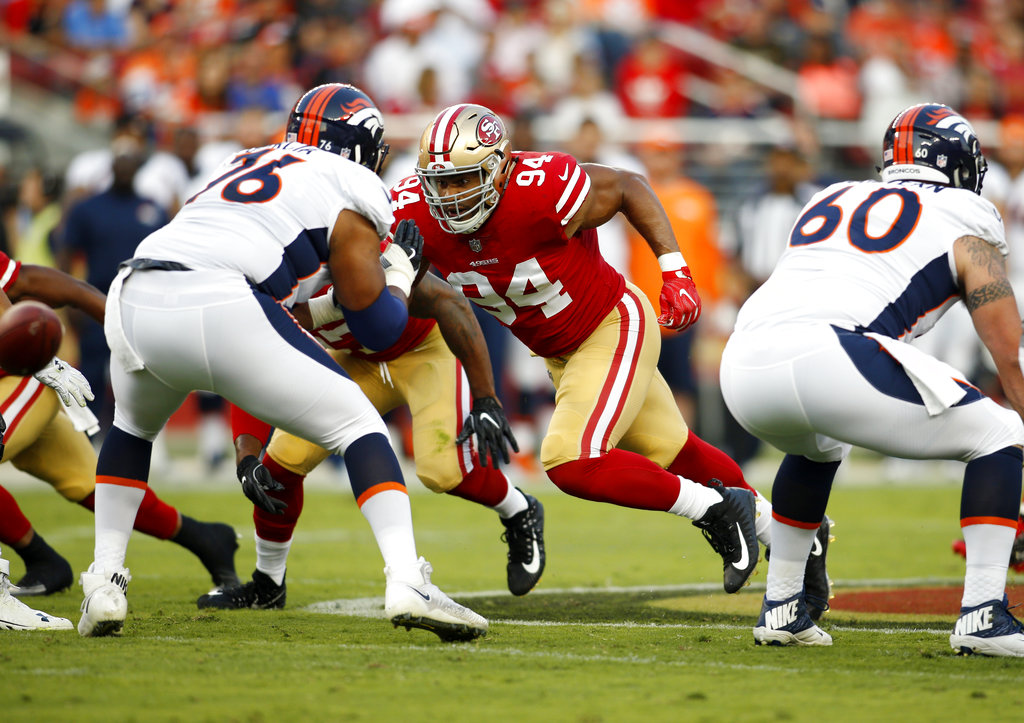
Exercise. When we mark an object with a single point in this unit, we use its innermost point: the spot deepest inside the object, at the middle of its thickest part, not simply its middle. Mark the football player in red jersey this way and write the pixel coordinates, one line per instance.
(516, 233)
(436, 367)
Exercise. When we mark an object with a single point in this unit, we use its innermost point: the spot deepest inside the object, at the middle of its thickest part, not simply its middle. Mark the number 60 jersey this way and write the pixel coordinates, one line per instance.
(873, 257)
(552, 291)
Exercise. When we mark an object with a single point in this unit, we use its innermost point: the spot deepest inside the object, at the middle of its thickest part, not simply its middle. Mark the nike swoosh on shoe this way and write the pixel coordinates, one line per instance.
(534, 565)
(816, 547)
(744, 553)
(421, 594)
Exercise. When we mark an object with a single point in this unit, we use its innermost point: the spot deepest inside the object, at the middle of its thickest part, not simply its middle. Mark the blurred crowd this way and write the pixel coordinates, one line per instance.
(179, 84)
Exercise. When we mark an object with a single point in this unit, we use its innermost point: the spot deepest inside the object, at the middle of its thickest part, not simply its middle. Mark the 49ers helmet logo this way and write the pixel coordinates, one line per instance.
(489, 130)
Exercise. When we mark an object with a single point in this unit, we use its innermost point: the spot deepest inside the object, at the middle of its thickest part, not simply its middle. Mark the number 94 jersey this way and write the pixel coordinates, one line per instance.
(552, 291)
(873, 256)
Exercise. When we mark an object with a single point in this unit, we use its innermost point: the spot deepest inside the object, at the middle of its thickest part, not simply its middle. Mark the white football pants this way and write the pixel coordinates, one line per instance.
(797, 388)
(209, 330)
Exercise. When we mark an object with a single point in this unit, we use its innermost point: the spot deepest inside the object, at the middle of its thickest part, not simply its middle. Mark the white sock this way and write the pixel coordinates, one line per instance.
(390, 518)
(272, 558)
(115, 510)
(988, 558)
(763, 523)
(514, 503)
(694, 499)
(790, 548)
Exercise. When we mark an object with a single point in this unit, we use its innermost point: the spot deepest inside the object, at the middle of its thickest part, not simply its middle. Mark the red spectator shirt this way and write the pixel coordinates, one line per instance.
(550, 290)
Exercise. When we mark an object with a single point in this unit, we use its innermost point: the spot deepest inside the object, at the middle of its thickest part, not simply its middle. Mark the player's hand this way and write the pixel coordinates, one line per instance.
(68, 382)
(488, 422)
(680, 302)
(410, 240)
(256, 482)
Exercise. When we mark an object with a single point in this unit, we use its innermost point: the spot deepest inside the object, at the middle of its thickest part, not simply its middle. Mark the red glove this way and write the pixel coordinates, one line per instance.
(680, 302)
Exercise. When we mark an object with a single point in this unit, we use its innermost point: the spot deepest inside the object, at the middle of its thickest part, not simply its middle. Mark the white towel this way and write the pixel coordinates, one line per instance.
(120, 349)
(82, 418)
(934, 380)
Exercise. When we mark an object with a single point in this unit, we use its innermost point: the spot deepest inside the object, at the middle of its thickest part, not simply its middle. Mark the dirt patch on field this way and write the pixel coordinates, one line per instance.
(909, 600)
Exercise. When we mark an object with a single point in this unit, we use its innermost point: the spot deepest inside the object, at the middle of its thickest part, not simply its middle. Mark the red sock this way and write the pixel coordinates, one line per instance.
(13, 523)
(279, 528)
(483, 485)
(620, 478)
(155, 517)
(702, 462)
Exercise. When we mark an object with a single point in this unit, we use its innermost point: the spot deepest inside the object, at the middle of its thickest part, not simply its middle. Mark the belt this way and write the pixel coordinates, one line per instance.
(148, 264)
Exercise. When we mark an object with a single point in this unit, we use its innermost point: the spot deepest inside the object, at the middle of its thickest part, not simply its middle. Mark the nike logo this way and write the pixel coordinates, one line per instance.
(422, 595)
(534, 565)
(816, 547)
(565, 174)
(744, 553)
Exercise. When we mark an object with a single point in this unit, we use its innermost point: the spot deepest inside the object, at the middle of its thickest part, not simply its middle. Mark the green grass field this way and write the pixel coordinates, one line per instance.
(629, 623)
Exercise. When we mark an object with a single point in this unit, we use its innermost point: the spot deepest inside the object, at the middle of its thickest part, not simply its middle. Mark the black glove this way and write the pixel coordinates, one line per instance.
(3, 431)
(409, 239)
(487, 421)
(256, 480)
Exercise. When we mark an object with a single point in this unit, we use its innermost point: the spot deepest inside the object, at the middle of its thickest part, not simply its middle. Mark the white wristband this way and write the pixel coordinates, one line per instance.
(398, 270)
(671, 261)
(322, 309)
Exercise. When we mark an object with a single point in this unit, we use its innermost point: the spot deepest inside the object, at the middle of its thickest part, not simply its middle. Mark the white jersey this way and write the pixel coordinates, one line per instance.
(875, 257)
(268, 214)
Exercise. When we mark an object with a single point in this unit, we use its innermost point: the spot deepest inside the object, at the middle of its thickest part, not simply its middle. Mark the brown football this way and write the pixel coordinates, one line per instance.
(30, 333)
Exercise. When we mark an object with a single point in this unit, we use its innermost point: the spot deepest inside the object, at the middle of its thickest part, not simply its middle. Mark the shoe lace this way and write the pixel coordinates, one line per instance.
(518, 535)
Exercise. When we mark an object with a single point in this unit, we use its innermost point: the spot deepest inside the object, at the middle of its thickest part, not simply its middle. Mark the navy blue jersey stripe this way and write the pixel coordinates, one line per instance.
(928, 289)
(302, 258)
(886, 374)
(289, 329)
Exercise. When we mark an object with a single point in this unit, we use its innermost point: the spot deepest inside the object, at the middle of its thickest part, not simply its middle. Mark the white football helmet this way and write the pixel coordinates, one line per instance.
(464, 139)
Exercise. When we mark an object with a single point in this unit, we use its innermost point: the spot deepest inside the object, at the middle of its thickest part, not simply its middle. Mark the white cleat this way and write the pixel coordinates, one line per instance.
(988, 629)
(16, 615)
(787, 623)
(421, 604)
(106, 604)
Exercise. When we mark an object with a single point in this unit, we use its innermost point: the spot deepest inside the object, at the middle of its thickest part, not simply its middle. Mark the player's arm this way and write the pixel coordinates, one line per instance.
(57, 289)
(614, 190)
(376, 313)
(432, 298)
(987, 293)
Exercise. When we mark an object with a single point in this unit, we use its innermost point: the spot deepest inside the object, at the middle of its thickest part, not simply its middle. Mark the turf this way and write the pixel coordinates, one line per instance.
(628, 624)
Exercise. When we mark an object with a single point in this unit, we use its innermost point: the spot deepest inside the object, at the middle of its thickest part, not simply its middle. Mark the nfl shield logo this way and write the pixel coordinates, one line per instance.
(475, 245)
(940, 160)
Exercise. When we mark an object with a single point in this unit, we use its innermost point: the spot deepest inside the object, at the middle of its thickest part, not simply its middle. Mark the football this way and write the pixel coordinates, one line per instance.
(30, 333)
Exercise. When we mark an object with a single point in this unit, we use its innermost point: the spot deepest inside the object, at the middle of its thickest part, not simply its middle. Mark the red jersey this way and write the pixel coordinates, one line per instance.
(550, 290)
(336, 335)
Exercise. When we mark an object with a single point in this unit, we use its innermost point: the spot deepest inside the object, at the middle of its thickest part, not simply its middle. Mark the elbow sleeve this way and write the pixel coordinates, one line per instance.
(380, 324)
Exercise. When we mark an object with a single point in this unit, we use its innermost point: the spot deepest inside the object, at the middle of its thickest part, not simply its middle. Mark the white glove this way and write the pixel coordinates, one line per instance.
(323, 309)
(398, 269)
(67, 381)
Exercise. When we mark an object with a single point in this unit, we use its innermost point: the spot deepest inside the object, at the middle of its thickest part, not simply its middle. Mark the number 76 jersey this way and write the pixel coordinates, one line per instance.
(551, 290)
(873, 257)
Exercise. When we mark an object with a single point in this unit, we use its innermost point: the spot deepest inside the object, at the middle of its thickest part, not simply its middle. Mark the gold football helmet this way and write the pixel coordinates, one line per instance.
(463, 165)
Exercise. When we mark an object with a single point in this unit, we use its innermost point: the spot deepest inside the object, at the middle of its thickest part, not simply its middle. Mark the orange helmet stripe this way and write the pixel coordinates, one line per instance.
(903, 150)
(309, 131)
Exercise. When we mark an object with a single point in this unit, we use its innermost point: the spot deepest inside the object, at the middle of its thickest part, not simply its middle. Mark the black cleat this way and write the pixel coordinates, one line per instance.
(44, 578)
(729, 528)
(214, 543)
(524, 533)
(260, 594)
(817, 586)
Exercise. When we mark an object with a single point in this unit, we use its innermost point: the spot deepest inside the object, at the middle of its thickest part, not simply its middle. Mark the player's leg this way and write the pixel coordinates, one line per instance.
(434, 384)
(601, 388)
(325, 407)
(660, 433)
(65, 459)
(46, 571)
